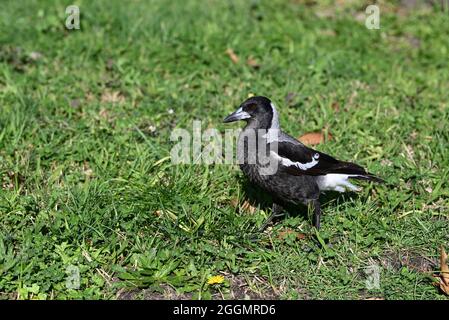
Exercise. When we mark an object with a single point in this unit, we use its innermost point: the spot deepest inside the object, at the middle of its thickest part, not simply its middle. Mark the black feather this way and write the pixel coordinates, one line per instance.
(369, 177)
(326, 164)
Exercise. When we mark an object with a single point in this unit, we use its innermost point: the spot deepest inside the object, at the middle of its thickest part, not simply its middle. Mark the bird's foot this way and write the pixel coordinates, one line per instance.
(277, 212)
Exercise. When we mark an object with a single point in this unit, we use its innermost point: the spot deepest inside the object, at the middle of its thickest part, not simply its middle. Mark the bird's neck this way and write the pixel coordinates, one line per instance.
(266, 123)
(263, 124)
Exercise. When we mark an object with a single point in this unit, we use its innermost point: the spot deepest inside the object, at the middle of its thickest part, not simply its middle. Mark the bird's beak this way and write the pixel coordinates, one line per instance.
(237, 115)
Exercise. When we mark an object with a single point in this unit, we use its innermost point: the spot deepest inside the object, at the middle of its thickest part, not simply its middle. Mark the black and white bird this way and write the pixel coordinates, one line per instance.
(302, 173)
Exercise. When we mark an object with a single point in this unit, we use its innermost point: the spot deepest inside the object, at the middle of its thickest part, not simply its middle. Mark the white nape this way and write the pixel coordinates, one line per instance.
(274, 131)
(275, 119)
(336, 182)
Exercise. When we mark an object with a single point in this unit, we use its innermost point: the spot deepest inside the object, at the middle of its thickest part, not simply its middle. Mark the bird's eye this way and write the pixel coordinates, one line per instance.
(250, 107)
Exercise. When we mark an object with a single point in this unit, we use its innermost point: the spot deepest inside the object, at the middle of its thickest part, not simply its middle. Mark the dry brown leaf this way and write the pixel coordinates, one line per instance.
(35, 55)
(166, 214)
(104, 113)
(232, 55)
(90, 97)
(336, 106)
(112, 97)
(87, 170)
(158, 213)
(245, 206)
(235, 203)
(253, 63)
(283, 234)
(248, 207)
(443, 279)
(314, 138)
(444, 288)
(300, 236)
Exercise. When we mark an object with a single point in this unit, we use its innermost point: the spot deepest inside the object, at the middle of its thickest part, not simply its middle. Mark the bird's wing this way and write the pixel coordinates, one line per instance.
(297, 159)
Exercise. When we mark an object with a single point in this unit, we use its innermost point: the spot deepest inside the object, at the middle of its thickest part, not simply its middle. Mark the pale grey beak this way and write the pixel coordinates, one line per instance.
(237, 115)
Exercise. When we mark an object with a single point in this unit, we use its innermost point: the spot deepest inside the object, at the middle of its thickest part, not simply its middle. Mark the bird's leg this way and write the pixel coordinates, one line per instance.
(316, 213)
(277, 212)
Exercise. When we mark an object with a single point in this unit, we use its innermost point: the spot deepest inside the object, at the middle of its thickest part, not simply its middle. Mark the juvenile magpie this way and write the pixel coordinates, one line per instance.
(301, 173)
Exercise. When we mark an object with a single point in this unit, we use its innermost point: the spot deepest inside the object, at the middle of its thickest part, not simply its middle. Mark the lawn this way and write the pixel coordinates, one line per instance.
(91, 207)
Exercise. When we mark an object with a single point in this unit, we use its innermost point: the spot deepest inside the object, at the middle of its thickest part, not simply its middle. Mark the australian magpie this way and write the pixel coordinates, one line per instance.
(301, 173)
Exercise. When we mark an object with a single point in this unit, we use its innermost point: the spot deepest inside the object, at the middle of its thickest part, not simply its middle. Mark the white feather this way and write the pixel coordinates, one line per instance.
(288, 163)
(336, 182)
(274, 131)
(275, 119)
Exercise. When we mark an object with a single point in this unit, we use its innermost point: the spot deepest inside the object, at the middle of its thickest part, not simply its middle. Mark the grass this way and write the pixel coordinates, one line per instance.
(84, 140)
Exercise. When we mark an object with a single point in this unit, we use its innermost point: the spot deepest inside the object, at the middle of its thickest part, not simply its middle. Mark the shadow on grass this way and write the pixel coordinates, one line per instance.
(257, 197)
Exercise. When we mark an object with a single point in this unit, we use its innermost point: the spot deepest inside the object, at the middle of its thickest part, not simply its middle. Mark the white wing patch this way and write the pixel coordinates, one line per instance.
(303, 166)
(336, 182)
(329, 182)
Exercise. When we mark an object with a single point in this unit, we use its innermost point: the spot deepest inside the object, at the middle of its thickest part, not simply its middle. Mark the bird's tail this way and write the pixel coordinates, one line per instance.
(354, 171)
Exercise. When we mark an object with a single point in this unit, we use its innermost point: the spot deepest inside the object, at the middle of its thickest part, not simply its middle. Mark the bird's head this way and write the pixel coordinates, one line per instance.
(257, 110)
